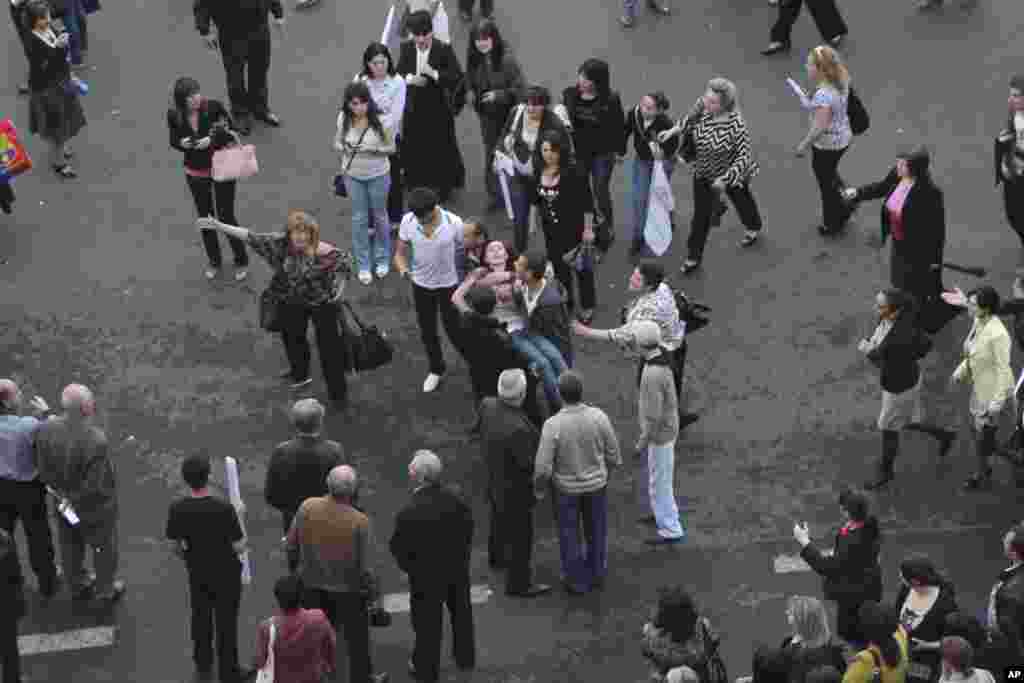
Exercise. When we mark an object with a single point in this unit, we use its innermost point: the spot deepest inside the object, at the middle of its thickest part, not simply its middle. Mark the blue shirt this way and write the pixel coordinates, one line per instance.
(16, 459)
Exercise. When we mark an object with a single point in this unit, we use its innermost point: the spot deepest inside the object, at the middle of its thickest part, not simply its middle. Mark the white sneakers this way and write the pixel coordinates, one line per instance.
(365, 277)
(431, 382)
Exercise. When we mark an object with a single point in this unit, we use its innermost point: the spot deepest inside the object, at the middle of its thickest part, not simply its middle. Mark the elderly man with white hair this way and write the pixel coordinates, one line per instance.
(432, 542)
(73, 457)
(510, 442)
(333, 540)
(658, 411)
(22, 495)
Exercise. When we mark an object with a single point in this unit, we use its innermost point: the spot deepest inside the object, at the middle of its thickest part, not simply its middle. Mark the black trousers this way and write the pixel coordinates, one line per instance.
(486, 7)
(824, 12)
(490, 131)
(426, 603)
(396, 194)
(26, 501)
(848, 623)
(347, 614)
(10, 659)
(429, 303)
(329, 344)
(510, 543)
(1013, 202)
(215, 602)
(217, 200)
(704, 197)
(6, 196)
(246, 63)
(825, 164)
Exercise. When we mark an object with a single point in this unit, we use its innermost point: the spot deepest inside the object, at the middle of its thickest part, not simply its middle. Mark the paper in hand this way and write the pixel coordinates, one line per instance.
(795, 87)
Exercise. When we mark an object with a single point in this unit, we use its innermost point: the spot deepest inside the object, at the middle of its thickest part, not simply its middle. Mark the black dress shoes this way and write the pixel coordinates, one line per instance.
(530, 592)
(661, 540)
(269, 118)
(775, 48)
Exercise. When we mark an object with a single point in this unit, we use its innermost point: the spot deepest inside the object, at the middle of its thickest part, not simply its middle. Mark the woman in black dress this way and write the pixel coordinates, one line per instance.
(925, 600)
(430, 150)
(564, 210)
(55, 113)
(199, 127)
(851, 573)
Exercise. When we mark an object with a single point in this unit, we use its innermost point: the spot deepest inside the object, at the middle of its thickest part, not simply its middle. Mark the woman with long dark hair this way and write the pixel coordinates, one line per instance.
(365, 145)
(925, 600)
(914, 213)
(527, 123)
(896, 347)
(598, 133)
(564, 210)
(677, 635)
(198, 127)
(388, 91)
(495, 83)
(851, 574)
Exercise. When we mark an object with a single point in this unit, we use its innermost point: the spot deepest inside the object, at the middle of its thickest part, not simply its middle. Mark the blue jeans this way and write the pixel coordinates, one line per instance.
(660, 465)
(583, 569)
(599, 170)
(370, 207)
(520, 198)
(643, 171)
(547, 358)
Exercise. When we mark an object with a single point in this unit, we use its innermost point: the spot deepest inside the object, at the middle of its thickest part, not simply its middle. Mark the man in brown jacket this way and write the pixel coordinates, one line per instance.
(333, 542)
(73, 459)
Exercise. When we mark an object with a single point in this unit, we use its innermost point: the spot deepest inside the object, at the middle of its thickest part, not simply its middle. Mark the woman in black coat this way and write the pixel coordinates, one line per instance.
(895, 347)
(925, 601)
(565, 211)
(851, 574)
(914, 213)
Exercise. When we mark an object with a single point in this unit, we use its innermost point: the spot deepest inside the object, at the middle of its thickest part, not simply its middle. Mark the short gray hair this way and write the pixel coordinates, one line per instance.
(9, 393)
(308, 416)
(426, 466)
(726, 91)
(512, 386)
(342, 482)
(77, 399)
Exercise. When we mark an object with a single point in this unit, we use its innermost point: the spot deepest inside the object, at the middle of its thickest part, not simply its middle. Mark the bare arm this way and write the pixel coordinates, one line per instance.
(402, 257)
(819, 123)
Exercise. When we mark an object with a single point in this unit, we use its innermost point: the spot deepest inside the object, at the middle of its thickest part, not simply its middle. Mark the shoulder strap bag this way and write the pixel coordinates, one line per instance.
(368, 346)
(339, 179)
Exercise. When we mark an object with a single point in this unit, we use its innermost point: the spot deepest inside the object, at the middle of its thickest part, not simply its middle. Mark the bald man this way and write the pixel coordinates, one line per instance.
(298, 468)
(432, 543)
(73, 458)
(22, 494)
(333, 541)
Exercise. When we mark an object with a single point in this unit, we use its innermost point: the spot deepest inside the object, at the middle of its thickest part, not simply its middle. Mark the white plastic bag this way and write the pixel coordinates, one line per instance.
(266, 674)
(441, 30)
(235, 496)
(658, 228)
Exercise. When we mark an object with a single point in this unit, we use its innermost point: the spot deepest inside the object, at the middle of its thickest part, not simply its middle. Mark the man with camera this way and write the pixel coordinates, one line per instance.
(333, 541)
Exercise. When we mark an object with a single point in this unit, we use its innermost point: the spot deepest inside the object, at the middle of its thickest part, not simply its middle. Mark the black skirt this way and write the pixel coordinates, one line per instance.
(56, 113)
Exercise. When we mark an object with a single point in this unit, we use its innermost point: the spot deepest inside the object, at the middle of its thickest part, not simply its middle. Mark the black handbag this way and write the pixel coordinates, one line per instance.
(368, 347)
(270, 312)
(857, 113)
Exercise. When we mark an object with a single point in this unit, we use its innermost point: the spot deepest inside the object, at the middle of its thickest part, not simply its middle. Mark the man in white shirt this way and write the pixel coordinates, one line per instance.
(428, 239)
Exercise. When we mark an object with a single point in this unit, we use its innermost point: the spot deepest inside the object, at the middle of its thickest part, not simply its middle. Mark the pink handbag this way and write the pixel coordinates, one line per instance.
(234, 163)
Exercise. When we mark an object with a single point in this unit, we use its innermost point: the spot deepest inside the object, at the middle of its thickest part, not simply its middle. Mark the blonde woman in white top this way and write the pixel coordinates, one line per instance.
(365, 145)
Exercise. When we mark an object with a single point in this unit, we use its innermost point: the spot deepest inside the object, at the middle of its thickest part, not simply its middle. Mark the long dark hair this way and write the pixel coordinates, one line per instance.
(184, 88)
(511, 255)
(485, 28)
(360, 91)
(677, 614)
(560, 144)
(374, 50)
(921, 568)
(598, 72)
(918, 160)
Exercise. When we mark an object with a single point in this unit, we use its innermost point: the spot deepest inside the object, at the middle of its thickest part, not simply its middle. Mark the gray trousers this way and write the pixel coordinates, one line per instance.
(103, 541)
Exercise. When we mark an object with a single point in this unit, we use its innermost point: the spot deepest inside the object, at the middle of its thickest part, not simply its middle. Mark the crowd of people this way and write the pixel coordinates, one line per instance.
(513, 311)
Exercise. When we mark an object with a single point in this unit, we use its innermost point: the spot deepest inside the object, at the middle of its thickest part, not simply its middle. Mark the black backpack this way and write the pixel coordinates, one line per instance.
(857, 113)
(694, 314)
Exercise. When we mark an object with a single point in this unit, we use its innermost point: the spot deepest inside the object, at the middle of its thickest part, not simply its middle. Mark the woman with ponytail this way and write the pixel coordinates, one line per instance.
(851, 573)
(886, 649)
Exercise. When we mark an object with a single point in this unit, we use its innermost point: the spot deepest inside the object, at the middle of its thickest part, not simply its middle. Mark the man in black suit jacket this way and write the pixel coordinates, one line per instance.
(436, 94)
(510, 443)
(432, 542)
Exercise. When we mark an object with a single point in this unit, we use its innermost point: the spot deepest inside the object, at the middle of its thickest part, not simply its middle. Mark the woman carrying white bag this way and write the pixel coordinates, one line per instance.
(296, 645)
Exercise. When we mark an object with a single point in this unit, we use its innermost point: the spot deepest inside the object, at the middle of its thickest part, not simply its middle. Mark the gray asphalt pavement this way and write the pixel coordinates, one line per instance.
(103, 283)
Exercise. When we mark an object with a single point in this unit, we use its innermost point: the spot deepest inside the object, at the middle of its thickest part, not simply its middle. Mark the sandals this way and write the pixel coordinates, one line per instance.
(65, 171)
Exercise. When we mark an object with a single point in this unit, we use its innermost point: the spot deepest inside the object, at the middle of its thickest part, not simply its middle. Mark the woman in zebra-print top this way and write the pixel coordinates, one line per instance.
(723, 163)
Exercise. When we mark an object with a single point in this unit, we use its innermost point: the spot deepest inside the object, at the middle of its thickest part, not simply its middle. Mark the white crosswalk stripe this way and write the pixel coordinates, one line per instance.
(79, 639)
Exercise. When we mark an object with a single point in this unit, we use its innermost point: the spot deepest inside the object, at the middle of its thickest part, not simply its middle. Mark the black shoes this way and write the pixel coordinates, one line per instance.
(775, 48)
(269, 118)
(881, 482)
(23, 90)
(687, 419)
(647, 519)
(530, 592)
(660, 540)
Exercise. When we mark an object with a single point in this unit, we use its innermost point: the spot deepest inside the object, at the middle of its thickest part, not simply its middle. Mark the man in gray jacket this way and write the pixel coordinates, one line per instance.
(73, 458)
(658, 410)
(577, 447)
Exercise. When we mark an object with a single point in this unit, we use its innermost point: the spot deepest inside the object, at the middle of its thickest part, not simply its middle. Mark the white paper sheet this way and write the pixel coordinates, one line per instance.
(235, 496)
(799, 92)
(387, 26)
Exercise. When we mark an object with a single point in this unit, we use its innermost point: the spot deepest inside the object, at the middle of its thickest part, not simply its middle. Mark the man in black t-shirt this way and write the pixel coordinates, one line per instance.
(205, 531)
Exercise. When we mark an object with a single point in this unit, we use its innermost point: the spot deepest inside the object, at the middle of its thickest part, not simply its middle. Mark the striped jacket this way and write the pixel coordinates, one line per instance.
(723, 146)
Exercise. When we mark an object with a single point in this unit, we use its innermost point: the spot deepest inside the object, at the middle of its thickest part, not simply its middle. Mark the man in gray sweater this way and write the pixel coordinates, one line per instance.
(577, 447)
(658, 411)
